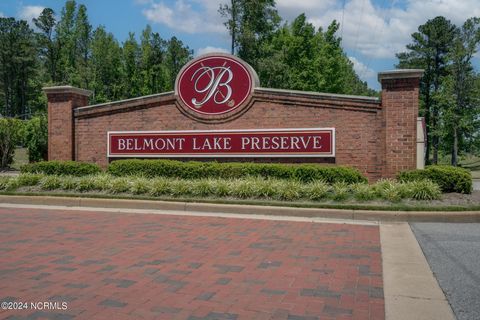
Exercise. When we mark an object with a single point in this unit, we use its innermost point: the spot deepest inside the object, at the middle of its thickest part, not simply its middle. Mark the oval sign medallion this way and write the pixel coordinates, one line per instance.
(215, 84)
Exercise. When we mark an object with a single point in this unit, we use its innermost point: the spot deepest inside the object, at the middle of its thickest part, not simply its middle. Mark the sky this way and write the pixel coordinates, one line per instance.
(372, 30)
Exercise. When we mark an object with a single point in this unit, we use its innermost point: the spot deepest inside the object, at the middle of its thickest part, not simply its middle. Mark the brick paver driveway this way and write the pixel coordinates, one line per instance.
(98, 265)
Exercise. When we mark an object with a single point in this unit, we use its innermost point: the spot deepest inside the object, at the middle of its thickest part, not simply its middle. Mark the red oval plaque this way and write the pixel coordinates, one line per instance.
(214, 84)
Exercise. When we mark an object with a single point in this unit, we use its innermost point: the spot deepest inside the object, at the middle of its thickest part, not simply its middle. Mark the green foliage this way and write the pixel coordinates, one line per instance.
(423, 190)
(29, 179)
(50, 182)
(364, 192)
(119, 185)
(71, 168)
(317, 190)
(19, 85)
(450, 179)
(36, 138)
(450, 86)
(199, 170)
(10, 137)
(240, 188)
(140, 186)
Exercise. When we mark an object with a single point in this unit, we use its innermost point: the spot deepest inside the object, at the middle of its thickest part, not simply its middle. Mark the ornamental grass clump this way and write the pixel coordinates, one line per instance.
(341, 191)
(29, 179)
(119, 185)
(159, 187)
(180, 187)
(68, 183)
(50, 182)
(102, 181)
(244, 188)
(318, 190)
(266, 188)
(140, 186)
(4, 181)
(85, 184)
(203, 187)
(289, 190)
(423, 190)
(363, 192)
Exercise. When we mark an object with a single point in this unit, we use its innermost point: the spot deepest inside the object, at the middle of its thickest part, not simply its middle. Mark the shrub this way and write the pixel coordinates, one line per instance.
(390, 190)
(363, 192)
(29, 179)
(289, 190)
(4, 181)
(159, 187)
(69, 168)
(201, 170)
(317, 190)
(69, 183)
(119, 185)
(341, 191)
(449, 178)
(10, 137)
(85, 184)
(50, 183)
(36, 138)
(140, 186)
(423, 190)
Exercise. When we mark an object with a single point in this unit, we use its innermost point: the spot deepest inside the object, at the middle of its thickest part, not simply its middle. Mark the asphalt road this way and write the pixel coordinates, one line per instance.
(453, 252)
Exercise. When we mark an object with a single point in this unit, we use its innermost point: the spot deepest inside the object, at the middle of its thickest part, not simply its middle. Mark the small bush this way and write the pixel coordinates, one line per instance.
(390, 190)
(29, 179)
(449, 178)
(50, 183)
(10, 136)
(341, 191)
(85, 184)
(318, 190)
(119, 185)
(159, 187)
(363, 192)
(61, 168)
(4, 182)
(423, 190)
(102, 181)
(36, 138)
(140, 186)
(230, 170)
(289, 190)
(69, 183)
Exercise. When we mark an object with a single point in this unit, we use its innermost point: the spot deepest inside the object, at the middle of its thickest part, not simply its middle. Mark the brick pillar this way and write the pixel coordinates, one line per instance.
(61, 102)
(400, 94)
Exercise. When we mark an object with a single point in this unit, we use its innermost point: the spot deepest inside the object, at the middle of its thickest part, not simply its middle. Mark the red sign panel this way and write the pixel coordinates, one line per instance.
(307, 142)
(214, 84)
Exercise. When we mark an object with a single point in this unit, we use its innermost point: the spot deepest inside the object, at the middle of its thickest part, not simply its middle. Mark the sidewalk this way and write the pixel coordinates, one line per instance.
(101, 260)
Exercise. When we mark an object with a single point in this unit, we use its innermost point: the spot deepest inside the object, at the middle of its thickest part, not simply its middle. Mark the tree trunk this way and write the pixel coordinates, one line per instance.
(428, 136)
(455, 147)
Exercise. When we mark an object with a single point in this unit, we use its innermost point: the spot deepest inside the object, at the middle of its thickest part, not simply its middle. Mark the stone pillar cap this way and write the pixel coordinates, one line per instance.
(400, 74)
(67, 89)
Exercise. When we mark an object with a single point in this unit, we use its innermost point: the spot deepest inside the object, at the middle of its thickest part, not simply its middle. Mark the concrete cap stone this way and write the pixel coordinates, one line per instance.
(400, 74)
(67, 89)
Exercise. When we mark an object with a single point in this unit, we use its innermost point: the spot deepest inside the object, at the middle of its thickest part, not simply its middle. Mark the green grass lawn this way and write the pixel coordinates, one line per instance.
(20, 158)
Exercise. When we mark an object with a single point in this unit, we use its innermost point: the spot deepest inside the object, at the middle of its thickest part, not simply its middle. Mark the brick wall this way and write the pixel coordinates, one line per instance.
(376, 136)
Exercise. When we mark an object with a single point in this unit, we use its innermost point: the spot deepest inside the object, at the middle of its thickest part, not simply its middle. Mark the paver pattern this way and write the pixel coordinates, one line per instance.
(138, 266)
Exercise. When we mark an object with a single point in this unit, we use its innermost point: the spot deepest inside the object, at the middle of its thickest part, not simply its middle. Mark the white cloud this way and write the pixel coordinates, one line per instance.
(363, 71)
(379, 32)
(29, 12)
(197, 16)
(210, 49)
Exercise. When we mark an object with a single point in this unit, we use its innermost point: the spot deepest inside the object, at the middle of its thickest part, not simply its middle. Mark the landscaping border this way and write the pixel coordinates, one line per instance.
(246, 207)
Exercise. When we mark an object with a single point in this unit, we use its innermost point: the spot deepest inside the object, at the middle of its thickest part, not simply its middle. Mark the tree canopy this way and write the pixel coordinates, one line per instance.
(65, 49)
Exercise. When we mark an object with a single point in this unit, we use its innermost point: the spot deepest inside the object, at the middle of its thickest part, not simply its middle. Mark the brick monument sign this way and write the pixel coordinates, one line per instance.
(218, 111)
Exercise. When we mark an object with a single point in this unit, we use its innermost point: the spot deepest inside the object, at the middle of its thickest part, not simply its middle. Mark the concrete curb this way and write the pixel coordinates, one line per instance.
(394, 216)
(410, 288)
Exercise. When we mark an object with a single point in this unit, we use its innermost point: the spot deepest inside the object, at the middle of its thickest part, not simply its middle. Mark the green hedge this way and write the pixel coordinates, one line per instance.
(450, 179)
(232, 170)
(62, 168)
